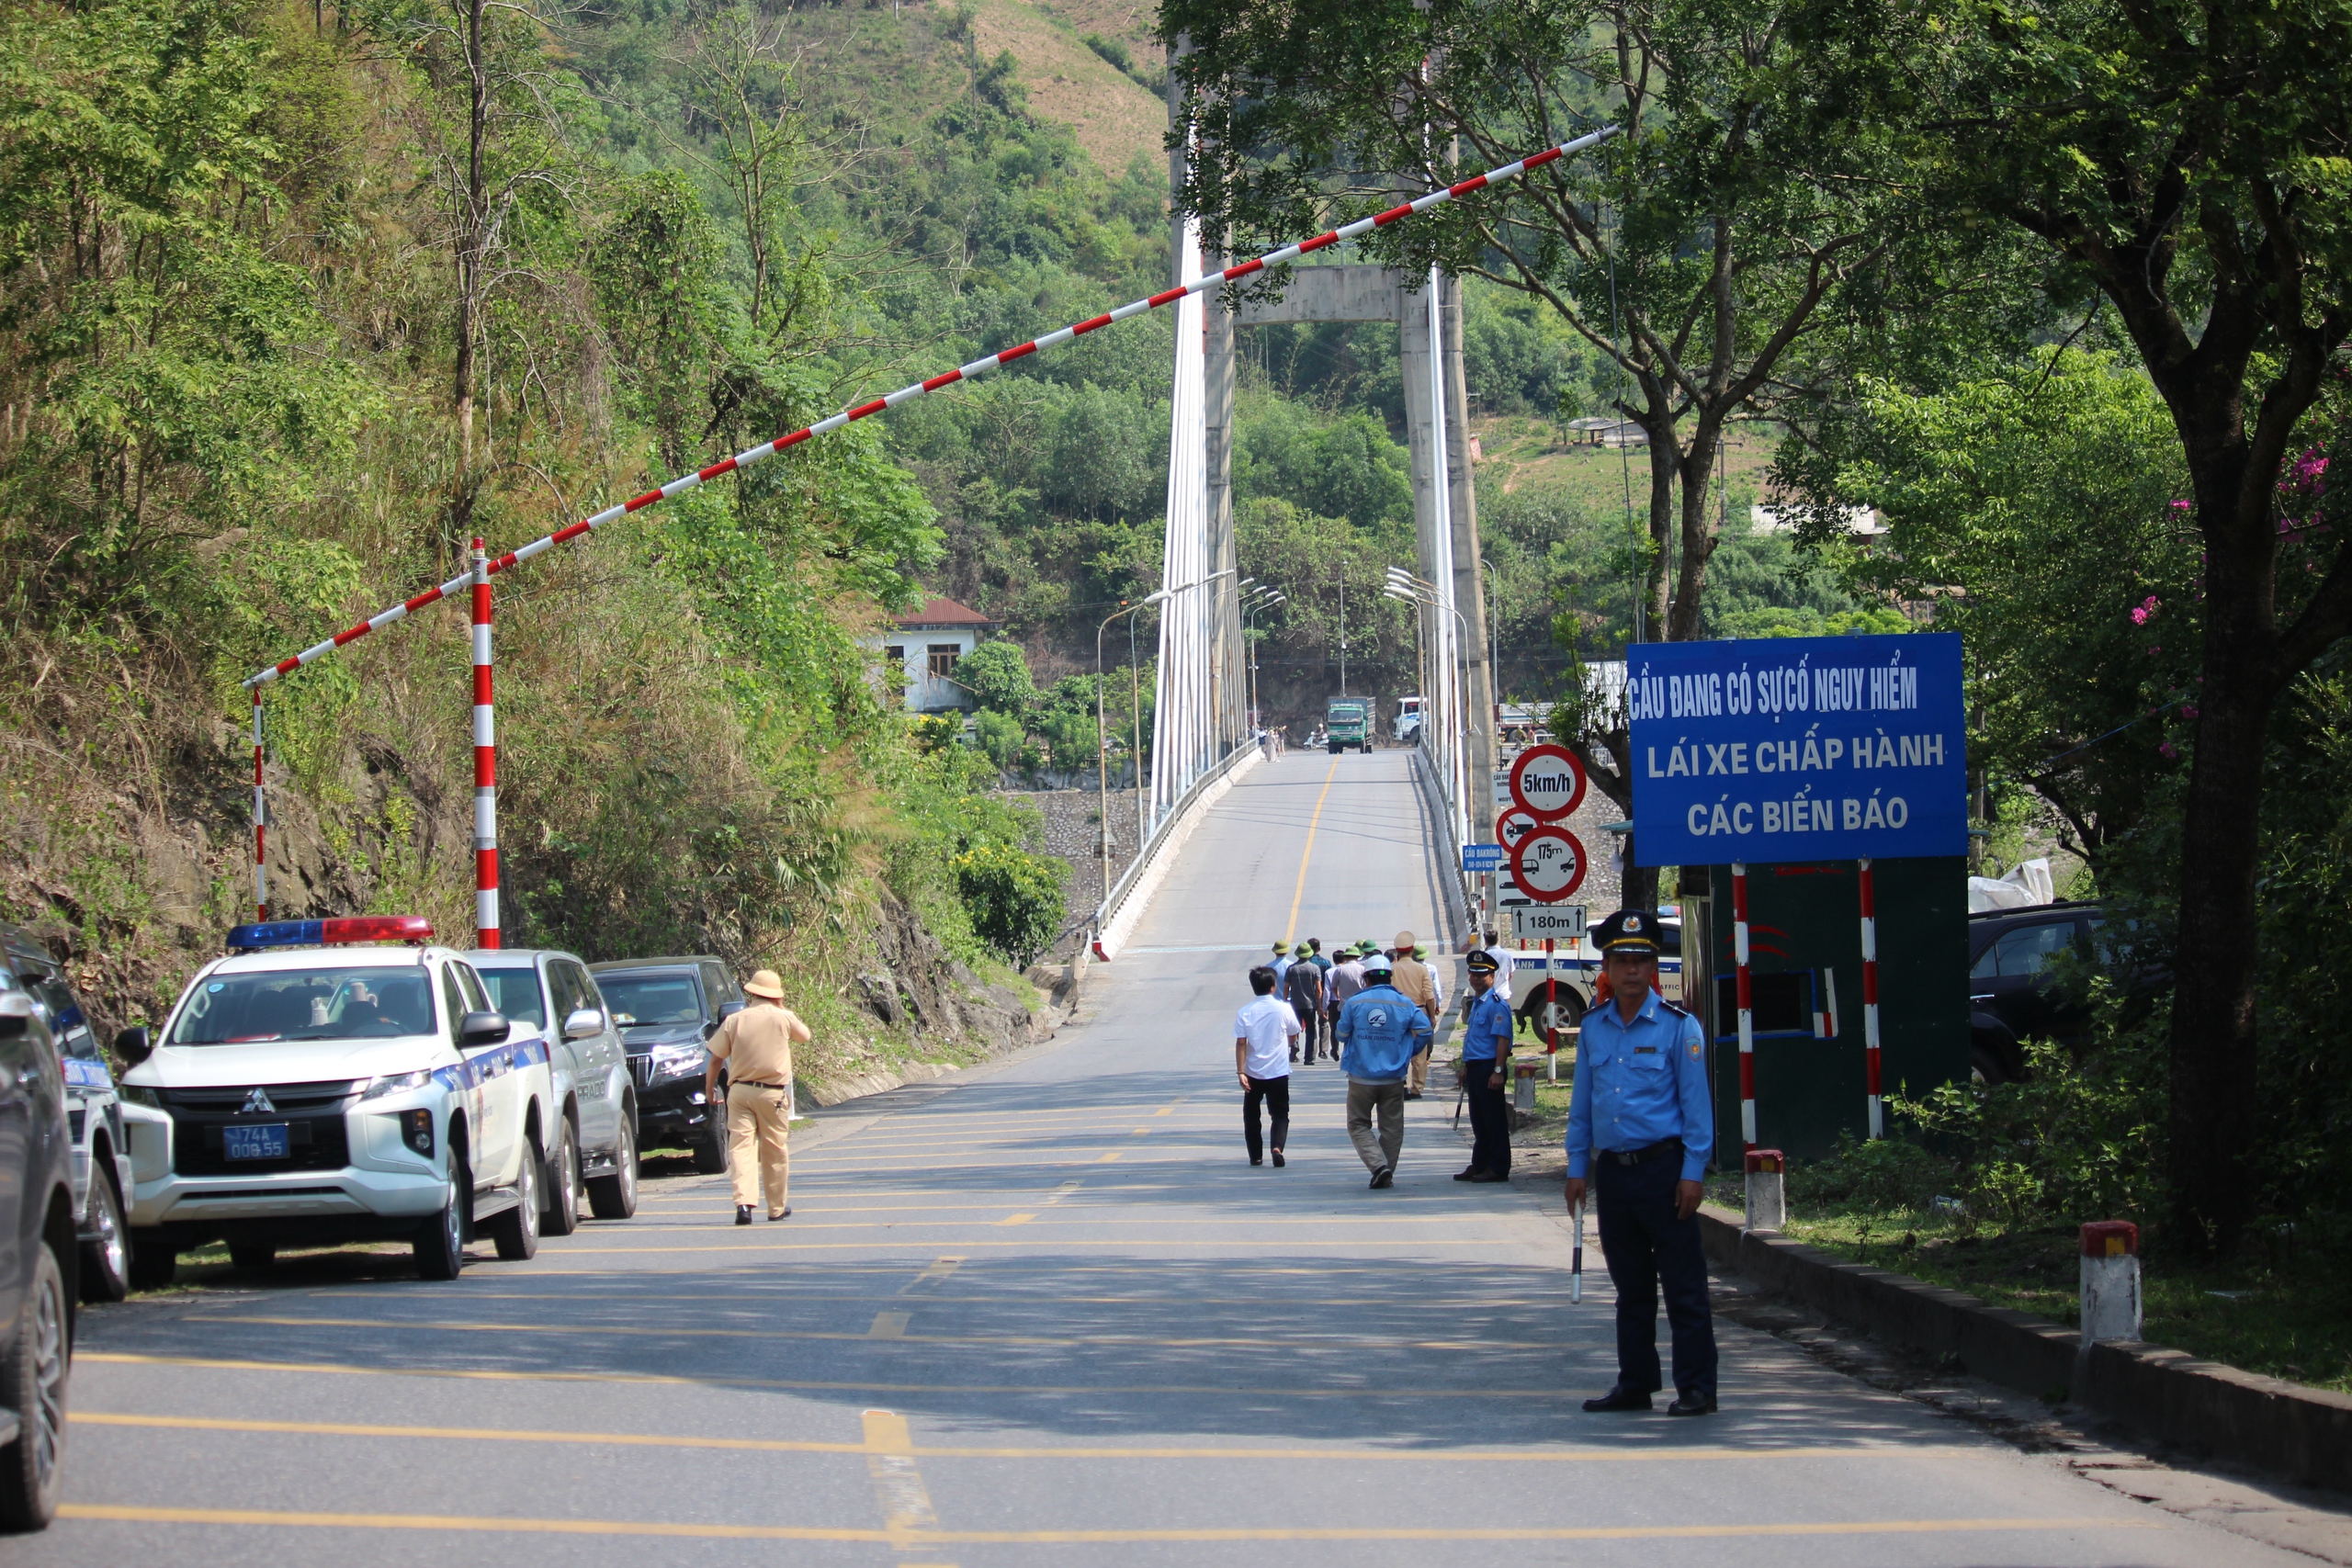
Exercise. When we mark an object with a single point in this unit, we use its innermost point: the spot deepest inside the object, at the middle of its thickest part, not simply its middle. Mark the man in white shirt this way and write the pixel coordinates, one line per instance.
(1502, 955)
(1265, 1033)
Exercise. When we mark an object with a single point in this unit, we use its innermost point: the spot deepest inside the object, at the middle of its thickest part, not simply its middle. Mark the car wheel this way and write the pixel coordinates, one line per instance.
(33, 1371)
(440, 1246)
(1561, 1014)
(106, 1257)
(153, 1263)
(710, 1149)
(252, 1256)
(562, 1215)
(517, 1232)
(1985, 1068)
(613, 1197)
(1335, 751)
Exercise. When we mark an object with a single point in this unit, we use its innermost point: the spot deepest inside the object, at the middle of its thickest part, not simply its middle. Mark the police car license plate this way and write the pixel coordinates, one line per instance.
(264, 1141)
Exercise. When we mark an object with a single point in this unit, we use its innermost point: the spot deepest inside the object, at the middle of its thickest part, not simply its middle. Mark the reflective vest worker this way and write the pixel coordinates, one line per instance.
(1379, 1029)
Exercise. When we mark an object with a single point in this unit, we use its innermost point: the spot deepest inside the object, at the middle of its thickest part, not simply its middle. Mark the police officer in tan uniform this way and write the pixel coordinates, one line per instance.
(756, 1046)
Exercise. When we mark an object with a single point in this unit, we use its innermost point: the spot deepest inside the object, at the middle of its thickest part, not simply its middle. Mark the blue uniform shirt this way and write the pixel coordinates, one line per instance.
(1382, 1028)
(1488, 1027)
(1641, 1083)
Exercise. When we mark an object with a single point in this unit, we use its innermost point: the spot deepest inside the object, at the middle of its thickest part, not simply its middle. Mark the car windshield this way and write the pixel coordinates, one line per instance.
(638, 1000)
(514, 993)
(332, 1002)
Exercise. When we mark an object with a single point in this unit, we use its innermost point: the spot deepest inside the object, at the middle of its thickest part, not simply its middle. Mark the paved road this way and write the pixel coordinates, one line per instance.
(1044, 1315)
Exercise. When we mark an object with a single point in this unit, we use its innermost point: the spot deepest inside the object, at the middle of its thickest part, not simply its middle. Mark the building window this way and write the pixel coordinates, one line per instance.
(896, 654)
(942, 659)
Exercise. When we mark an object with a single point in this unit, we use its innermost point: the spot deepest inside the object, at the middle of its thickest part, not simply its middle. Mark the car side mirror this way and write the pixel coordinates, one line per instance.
(482, 1029)
(134, 1045)
(16, 1011)
(584, 1023)
(728, 1010)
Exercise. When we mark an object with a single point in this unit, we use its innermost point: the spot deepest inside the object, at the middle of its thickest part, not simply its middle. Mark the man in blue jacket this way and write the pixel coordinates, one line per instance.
(1380, 1029)
(1640, 1124)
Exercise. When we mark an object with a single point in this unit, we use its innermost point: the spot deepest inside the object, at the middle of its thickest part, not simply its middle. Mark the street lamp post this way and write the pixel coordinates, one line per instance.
(1259, 598)
(1102, 737)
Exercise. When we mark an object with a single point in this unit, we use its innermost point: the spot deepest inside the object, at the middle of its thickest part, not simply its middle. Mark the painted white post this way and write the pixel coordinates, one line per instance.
(1766, 1207)
(2110, 1296)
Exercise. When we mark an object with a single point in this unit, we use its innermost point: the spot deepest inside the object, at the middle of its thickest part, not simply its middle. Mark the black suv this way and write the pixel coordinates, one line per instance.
(666, 1008)
(38, 1258)
(2012, 994)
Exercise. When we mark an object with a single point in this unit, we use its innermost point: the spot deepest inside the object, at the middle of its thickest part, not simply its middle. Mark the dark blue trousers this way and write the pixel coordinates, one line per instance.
(1647, 1247)
(1489, 1117)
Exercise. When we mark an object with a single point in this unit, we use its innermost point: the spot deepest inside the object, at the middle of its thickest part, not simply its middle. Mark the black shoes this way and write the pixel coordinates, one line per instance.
(785, 1215)
(1278, 1159)
(1256, 1162)
(1489, 1176)
(1692, 1404)
(1410, 1094)
(743, 1213)
(1470, 1173)
(1623, 1398)
(1385, 1177)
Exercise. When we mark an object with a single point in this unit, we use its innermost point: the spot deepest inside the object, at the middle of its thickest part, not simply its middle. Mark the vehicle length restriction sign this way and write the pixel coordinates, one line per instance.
(1548, 864)
(1547, 783)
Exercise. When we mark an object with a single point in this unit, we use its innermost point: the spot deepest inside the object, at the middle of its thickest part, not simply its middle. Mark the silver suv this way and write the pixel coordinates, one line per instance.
(552, 995)
(93, 1116)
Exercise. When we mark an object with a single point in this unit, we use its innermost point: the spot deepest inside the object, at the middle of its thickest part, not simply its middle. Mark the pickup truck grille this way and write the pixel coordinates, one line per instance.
(313, 1113)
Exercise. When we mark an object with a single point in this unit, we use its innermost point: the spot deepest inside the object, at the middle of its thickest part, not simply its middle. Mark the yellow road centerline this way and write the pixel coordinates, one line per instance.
(1290, 921)
(1573, 1455)
(130, 1514)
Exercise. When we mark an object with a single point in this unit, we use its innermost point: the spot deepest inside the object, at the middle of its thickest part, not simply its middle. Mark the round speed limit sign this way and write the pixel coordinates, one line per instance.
(1548, 864)
(1547, 783)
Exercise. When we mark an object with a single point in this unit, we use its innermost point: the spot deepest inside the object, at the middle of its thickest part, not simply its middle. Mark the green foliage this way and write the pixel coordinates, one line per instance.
(998, 677)
(1015, 899)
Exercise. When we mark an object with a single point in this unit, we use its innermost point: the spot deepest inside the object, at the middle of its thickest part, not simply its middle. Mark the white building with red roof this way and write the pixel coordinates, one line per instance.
(924, 646)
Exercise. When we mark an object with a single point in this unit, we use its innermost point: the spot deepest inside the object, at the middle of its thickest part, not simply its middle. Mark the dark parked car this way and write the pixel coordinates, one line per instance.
(40, 1261)
(666, 1008)
(2013, 992)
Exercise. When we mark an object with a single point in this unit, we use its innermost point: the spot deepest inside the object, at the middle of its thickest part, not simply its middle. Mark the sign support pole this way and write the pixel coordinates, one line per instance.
(1551, 1014)
(261, 821)
(1747, 1013)
(1870, 1000)
(485, 767)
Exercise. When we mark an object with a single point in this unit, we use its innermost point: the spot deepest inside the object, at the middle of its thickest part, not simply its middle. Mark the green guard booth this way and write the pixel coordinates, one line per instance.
(1805, 973)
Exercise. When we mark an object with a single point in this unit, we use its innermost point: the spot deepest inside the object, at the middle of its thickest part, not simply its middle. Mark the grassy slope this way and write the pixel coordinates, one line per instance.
(1116, 120)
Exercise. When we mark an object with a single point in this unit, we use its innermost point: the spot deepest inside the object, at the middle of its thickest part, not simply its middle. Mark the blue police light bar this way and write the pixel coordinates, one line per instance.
(253, 937)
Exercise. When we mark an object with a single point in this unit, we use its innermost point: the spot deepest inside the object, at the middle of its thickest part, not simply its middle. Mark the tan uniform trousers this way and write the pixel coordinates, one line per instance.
(758, 1120)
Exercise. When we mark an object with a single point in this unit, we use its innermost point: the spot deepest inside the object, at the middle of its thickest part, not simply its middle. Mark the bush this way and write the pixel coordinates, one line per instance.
(1015, 899)
(998, 677)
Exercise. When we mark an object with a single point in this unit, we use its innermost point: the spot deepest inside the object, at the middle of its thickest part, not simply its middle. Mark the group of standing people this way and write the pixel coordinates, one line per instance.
(1641, 1125)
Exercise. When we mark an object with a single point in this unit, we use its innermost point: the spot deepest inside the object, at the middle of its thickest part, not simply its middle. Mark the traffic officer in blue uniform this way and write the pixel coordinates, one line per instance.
(1487, 1027)
(1640, 1127)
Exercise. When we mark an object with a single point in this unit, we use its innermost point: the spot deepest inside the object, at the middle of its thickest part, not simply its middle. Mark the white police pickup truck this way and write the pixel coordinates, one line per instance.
(331, 1081)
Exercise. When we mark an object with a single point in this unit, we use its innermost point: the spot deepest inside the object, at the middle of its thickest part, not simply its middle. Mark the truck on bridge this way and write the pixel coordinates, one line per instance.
(1347, 721)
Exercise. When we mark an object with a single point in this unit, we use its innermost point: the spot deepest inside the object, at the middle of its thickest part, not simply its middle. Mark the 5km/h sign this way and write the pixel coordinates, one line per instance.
(1547, 783)
(1548, 864)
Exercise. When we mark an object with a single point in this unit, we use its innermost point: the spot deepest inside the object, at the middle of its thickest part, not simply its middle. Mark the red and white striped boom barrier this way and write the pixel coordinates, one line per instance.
(1869, 1001)
(485, 766)
(478, 576)
(1747, 1008)
(261, 858)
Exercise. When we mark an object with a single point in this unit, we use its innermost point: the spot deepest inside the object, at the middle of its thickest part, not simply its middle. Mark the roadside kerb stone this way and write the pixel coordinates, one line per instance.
(2302, 1434)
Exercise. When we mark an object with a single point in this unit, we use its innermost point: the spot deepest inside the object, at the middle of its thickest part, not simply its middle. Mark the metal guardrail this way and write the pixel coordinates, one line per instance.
(1150, 847)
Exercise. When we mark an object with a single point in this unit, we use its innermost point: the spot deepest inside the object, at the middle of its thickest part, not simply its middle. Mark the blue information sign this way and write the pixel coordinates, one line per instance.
(1484, 857)
(1794, 748)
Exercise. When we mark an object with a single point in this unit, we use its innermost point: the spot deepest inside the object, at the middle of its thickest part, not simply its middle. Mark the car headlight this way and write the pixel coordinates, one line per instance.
(139, 1094)
(676, 1060)
(396, 1083)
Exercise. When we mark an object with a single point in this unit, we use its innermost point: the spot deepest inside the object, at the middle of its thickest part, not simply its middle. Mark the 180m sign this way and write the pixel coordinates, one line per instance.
(1797, 749)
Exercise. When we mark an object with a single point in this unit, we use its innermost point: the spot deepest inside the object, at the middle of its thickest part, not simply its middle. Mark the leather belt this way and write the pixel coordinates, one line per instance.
(754, 1083)
(1642, 1156)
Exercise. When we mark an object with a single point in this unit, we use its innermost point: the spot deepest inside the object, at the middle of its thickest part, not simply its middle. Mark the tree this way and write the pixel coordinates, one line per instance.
(2190, 164)
(998, 677)
(1696, 253)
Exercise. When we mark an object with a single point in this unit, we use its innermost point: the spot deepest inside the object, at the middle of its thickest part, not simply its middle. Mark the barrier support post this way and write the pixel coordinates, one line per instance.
(1766, 1207)
(2110, 1282)
(1747, 1013)
(1870, 1002)
(485, 766)
(261, 823)
(1551, 1014)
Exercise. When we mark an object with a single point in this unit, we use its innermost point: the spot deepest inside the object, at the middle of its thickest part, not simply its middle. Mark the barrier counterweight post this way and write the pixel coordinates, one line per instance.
(261, 823)
(485, 766)
(1747, 1011)
(1870, 1002)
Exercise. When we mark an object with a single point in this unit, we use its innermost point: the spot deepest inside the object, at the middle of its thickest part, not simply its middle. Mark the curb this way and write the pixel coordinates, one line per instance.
(2302, 1434)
